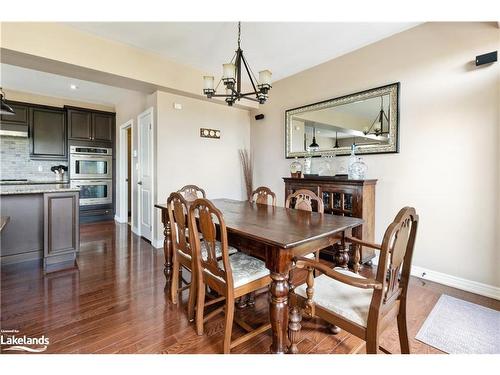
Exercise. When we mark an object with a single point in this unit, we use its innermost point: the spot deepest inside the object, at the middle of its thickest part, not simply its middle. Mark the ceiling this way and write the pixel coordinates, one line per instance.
(37, 82)
(285, 48)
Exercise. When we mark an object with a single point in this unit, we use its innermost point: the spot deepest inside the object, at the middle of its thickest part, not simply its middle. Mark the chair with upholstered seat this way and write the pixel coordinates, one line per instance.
(182, 250)
(231, 277)
(262, 194)
(362, 306)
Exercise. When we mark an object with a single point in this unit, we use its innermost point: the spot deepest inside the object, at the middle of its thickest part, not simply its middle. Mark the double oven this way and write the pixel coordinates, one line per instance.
(91, 171)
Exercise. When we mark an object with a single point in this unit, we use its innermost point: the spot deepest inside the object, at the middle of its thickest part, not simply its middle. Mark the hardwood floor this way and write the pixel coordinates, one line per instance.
(115, 303)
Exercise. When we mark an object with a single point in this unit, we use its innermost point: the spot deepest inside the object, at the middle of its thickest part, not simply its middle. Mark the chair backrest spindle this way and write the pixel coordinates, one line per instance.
(177, 212)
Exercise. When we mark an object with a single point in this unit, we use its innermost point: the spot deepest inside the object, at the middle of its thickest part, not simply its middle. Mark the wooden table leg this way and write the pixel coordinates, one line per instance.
(167, 249)
(278, 310)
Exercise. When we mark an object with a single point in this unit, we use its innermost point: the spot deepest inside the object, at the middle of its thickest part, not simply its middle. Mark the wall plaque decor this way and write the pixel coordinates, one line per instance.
(209, 133)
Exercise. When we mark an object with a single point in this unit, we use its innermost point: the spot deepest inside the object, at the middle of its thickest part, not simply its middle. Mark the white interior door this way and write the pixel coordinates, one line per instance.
(145, 180)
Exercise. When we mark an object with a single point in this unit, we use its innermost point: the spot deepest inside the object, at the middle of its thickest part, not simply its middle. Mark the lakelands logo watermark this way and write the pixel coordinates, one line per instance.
(15, 342)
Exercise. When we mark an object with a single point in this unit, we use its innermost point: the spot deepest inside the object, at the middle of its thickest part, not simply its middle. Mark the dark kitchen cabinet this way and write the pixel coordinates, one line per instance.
(79, 125)
(103, 127)
(47, 134)
(61, 227)
(90, 126)
(19, 118)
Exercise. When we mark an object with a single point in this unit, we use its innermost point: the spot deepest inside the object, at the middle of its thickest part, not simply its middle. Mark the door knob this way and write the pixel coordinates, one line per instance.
(139, 183)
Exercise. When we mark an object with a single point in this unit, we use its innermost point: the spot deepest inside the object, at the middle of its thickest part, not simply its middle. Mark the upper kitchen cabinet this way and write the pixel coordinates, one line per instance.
(19, 118)
(103, 127)
(86, 125)
(47, 133)
(79, 125)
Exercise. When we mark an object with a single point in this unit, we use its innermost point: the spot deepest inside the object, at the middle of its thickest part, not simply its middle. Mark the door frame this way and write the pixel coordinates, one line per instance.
(122, 216)
(150, 112)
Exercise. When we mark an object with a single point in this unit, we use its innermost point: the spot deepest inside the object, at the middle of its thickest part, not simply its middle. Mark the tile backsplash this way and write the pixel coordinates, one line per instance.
(15, 161)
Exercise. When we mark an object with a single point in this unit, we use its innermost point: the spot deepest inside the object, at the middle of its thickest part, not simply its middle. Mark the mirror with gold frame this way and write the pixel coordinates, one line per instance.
(368, 119)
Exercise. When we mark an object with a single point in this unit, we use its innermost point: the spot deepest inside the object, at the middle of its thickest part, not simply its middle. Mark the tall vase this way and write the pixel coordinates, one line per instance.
(352, 159)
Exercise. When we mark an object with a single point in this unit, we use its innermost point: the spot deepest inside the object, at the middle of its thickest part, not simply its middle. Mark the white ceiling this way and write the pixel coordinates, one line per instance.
(36, 82)
(285, 48)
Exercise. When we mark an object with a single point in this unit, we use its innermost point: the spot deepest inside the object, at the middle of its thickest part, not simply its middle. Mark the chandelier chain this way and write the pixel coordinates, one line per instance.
(239, 34)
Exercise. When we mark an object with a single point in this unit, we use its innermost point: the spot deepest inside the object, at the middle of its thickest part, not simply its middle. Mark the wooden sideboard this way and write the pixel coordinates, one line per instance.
(355, 198)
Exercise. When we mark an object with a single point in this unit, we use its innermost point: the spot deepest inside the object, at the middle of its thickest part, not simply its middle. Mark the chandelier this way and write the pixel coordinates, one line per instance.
(231, 78)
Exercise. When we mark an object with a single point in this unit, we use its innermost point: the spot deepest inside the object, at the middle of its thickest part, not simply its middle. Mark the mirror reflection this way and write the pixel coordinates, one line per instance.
(367, 119)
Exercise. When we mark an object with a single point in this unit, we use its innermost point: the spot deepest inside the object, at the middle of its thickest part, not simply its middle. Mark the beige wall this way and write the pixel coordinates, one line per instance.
(183, 157)
(448, 167)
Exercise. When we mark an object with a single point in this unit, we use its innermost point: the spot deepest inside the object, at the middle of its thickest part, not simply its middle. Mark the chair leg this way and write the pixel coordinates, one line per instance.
(294, 327)
(228, 328)
(403, 329)
(372, 342)
(192, 296)
(200, 306)
(316, 258)
(251, 299)
(174, 287)
(241, 302)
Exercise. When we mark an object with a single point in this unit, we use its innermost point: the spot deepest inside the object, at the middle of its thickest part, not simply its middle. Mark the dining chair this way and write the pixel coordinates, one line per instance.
(362, 306)
(305, 200)
(192, 192)
(231, 277)
(262, 194)
(182, 254)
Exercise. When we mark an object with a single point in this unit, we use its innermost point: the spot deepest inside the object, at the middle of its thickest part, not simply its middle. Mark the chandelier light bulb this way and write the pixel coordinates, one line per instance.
(228, 71)
(265, 77)
(208, 82)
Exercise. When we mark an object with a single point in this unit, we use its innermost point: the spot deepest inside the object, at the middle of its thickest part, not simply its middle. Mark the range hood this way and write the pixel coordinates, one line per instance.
(12, 130)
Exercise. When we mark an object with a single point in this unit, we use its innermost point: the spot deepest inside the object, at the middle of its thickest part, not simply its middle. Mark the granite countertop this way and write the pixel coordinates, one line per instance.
(33, 182)
(35, 189)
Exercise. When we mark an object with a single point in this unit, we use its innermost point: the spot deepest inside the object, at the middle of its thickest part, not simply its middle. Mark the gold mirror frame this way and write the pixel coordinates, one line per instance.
(392, 147)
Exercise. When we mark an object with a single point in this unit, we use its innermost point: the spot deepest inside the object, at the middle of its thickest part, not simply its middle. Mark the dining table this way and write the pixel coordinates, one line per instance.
(275, 235)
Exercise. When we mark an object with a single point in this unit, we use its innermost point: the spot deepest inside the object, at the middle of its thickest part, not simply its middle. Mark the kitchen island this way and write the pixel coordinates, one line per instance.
(44, 224)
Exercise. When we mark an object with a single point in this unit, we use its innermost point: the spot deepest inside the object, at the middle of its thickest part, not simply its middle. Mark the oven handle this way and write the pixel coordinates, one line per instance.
(86, 182)
(86, 156)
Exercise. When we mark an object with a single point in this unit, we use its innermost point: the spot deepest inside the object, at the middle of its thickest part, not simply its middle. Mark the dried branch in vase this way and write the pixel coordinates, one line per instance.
(246, 163)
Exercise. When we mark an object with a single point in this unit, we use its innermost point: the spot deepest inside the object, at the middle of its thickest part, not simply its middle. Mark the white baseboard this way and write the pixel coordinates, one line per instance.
(456, 282)
(453, 281)
(135, 230)
(120, 220)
